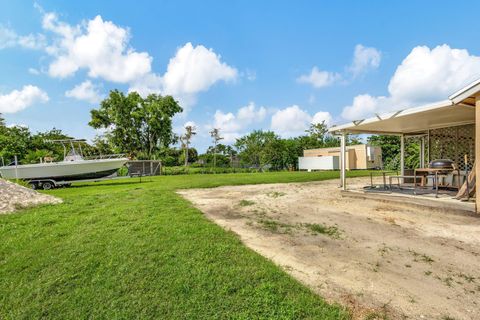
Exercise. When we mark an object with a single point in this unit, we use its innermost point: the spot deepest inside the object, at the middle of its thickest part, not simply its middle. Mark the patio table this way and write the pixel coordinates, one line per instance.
(425, 172)
(384, 175)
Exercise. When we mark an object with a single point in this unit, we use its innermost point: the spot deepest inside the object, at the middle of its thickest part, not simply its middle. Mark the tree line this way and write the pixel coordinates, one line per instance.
(142, 129)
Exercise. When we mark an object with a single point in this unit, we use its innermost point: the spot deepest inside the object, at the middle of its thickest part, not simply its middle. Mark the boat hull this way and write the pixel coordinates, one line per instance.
(64, 171)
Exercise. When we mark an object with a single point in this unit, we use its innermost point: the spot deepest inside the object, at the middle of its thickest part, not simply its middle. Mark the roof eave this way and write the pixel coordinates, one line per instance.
(466, 92)
(350, 127)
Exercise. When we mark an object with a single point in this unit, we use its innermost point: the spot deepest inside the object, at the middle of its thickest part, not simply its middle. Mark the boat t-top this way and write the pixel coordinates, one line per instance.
(74, 167)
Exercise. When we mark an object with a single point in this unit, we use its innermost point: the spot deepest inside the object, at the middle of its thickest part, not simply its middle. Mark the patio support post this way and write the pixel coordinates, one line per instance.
(422, 152)
(343, 160)
(477, 151)
(402, 155)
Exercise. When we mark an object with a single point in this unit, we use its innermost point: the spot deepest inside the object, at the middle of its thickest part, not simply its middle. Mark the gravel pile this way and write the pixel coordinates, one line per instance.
(14, 196)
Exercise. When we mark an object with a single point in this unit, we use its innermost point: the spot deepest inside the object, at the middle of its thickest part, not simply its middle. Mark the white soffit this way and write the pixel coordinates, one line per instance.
(457, 110)
(420, 119)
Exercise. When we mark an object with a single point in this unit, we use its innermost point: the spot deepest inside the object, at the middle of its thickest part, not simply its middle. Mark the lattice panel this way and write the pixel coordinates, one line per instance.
(453, 143)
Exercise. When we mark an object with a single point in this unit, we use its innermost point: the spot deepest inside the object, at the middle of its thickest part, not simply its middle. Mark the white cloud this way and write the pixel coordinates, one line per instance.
(33, 71)
(364, 105)
(100, 47)
(251, 75)
(364, 59)
(9, 38)
(322, 116)
(290, 121)
(230, 137)
(32, 41)
(293, 121)
(103, 50)
(231, 125)
(150, 83)
(250, 114)
(193, 70)
(85, 91)
(319, 79)
(18, 100)
(226, 122)
(425, 75)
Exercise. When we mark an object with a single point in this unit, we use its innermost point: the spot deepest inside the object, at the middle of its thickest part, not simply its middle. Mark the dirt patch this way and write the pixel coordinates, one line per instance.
(14, 196)
(377, 258)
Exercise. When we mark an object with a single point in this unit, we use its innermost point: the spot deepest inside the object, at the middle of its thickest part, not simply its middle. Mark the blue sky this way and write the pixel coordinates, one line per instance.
(236, 65)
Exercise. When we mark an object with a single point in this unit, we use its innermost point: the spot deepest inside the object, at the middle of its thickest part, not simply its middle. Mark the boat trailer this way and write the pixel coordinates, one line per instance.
(48, 184)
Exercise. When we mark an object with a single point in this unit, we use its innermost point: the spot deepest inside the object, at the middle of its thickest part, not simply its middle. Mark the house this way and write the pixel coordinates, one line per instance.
(448, 129)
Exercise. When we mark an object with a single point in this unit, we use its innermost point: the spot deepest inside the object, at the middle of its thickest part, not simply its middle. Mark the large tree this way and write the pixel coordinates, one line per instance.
(14, 141)
(137, 126)
(31, 148)
(41, 145)
(260, 149)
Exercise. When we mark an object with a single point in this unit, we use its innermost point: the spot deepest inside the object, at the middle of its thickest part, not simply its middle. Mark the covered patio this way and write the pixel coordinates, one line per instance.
(449, 129)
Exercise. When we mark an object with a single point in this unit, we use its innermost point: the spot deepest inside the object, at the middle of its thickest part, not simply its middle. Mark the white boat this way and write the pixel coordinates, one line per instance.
(73, 167)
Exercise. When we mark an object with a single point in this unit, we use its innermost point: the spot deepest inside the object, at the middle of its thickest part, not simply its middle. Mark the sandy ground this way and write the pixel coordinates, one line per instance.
(14, 196)
(375, 257)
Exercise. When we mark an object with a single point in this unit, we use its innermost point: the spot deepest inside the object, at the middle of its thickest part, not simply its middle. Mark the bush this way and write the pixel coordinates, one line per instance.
(169, 161)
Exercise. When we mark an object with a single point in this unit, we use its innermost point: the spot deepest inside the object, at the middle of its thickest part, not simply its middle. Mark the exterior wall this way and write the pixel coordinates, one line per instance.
(357, 156)
(319, 163)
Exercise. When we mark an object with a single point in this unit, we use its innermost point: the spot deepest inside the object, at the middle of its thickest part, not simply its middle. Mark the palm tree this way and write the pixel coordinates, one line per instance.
(190, 131)
(215, 134)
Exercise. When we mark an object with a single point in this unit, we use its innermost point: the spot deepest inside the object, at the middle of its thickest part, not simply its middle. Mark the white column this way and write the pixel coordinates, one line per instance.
(16, 168)
(402, 155)
(422, 152)
(477, 152)
(343, 161)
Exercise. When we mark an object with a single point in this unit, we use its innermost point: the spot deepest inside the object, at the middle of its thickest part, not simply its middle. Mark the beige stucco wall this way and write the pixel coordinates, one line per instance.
(356, 159)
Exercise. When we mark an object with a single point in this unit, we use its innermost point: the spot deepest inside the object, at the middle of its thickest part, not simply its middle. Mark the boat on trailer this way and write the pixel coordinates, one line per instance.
(74, 167)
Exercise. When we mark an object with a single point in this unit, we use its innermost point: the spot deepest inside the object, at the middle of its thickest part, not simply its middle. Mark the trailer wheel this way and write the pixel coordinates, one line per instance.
(33, 185)
(47, 185)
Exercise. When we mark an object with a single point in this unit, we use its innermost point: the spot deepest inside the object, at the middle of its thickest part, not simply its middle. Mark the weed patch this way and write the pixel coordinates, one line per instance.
(421, 257)
(317, 228)
(275, 226)
(246, 203)
(275, 194)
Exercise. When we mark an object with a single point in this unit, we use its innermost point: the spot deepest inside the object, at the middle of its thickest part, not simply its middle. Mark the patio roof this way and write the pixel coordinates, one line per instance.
(458, 109)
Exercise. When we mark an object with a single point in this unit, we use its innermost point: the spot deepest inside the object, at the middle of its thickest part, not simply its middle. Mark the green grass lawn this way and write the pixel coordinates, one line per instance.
(138, 250)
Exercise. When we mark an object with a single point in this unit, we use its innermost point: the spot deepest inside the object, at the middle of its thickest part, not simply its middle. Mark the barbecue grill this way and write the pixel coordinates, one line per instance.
(437, 168)
(442, 164)
(446, 164)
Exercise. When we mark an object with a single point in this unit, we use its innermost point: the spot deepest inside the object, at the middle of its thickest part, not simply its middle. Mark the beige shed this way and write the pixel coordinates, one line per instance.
(360, 156)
